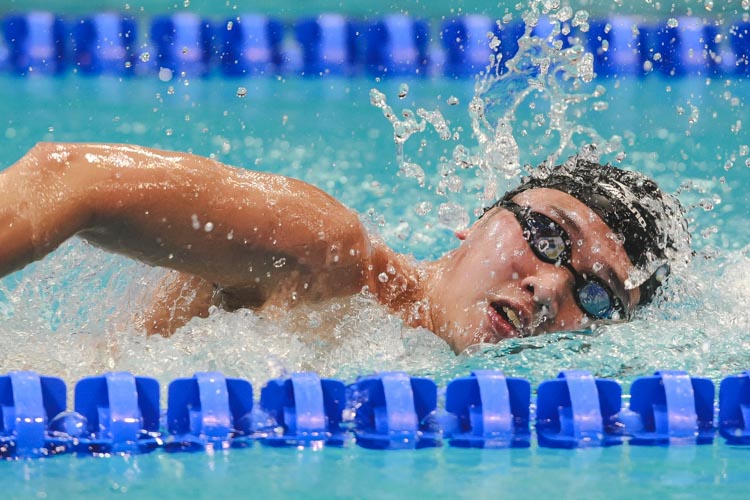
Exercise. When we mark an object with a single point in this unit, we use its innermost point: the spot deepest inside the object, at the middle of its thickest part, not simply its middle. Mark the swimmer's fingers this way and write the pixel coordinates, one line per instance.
(177, 299)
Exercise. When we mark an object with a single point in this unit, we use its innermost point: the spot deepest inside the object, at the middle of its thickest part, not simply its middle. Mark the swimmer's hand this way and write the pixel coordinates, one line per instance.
(178, 298)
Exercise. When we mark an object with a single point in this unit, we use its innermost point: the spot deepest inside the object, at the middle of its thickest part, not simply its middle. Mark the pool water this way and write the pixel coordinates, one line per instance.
(327, 133)
(71, 314)
(260, 472)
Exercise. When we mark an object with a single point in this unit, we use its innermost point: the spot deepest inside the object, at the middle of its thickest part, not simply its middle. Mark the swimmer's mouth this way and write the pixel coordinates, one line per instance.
(512, 326)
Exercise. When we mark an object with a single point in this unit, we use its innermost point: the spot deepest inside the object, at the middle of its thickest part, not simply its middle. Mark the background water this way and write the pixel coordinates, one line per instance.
(70, 314)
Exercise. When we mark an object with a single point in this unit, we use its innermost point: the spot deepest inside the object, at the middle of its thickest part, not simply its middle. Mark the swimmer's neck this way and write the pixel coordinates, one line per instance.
(410, 288)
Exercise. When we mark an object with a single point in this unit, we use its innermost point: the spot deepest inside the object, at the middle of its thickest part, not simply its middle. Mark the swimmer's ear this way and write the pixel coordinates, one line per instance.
(461, 234)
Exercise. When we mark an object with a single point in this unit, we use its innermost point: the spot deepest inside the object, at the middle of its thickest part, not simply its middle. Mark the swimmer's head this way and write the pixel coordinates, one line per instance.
(648, 222)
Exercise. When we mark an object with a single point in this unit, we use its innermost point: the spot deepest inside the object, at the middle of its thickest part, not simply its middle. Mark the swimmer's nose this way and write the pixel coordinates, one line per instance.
(550, 286)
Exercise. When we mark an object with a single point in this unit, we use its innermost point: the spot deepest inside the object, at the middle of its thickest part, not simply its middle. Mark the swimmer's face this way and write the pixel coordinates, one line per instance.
(494, 286)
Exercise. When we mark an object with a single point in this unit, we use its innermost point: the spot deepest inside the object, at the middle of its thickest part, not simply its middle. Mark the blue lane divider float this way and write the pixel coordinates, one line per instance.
(303, 410)
(254, 44)
(739, 37)
(28, 402)
(36, 43)
(183, 43)
(734, 408)
(670, 407)
(251, 45)
(577, 410)
(208, 411)
(329, 45)
(104, 44)
(397, 45)
(395, 411)
(487, 410)
(119, 413)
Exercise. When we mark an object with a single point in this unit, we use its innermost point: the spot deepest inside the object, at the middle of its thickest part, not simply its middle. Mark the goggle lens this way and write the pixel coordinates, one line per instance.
(595, 300)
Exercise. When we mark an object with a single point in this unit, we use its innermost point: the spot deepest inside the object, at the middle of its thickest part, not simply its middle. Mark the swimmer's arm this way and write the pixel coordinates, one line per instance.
(255, 234)
(177, 299)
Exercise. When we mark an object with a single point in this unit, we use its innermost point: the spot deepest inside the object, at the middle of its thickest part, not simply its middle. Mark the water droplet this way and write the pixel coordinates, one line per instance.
(279, 263)
(452, 101)
(208, 227)
(403, 91)
(241, 92)
(423, 208)
(165, 74)
(145, 57)
(195, 221)
(453, 215)
(672, 22)
(382, 277)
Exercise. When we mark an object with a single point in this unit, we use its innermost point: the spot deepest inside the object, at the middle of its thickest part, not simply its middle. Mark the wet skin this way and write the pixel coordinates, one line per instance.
(495, 270)
(242, 239)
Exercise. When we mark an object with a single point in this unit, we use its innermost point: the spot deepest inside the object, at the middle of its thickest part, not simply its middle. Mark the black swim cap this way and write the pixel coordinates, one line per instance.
(650, 223)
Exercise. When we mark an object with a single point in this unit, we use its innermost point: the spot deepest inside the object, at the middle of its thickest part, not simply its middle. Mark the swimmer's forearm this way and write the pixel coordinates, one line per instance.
(193, 214)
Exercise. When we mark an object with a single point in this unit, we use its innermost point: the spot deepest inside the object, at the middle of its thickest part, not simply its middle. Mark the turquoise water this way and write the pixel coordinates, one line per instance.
(620, 472)
(71, 314)
(326, 132)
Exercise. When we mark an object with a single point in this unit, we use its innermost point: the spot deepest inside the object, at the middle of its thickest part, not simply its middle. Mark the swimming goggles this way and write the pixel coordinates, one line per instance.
(552, 244)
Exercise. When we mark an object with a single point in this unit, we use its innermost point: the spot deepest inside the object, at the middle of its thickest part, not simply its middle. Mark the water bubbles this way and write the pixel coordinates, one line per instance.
(165, 74)
(747, 163)
(452, 101)
(453, 216)
(195, 222)
(402, 231)
(403, 91)
(694, 115)
(383, 278)
(672, 22)
(707, 205)
(580, 18)
(708, 5)
(145, 57)
(208, 227)
(412, 171)
(423, 208)
(279, 263)
(241, 92)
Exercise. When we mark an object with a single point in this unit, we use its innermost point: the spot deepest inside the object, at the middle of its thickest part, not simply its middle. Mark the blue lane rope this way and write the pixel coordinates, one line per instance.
(331, 44)
(119, 413)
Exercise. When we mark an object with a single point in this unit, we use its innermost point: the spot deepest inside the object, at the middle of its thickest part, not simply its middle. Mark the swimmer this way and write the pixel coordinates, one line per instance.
(573, 246)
